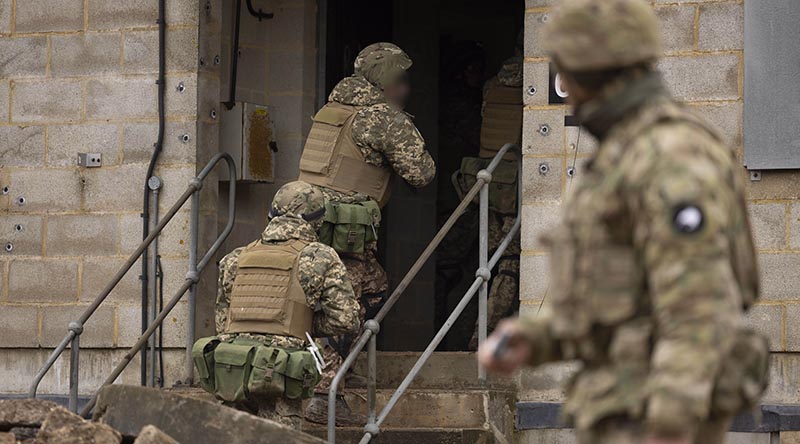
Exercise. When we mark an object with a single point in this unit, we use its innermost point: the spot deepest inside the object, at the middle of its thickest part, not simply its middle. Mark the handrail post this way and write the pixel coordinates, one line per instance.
(372, 369)
(194, 220)
(74, 364)
(483, 262)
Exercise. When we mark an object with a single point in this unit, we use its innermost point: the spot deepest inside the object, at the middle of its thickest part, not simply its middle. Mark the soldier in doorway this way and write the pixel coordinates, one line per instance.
(358, 142)
(653, 264)
(276, 291)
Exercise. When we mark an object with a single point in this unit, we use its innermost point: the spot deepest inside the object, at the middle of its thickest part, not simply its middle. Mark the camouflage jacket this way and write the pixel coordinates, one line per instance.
(652, 266)
(510, 74)
(322, 276)
(386, 136)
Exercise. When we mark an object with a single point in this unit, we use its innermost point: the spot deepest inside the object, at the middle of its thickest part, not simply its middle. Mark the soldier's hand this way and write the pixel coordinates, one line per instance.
(505, 350)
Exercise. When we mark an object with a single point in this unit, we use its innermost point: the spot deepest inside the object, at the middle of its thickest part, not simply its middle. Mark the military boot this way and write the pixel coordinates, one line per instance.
(317, 412)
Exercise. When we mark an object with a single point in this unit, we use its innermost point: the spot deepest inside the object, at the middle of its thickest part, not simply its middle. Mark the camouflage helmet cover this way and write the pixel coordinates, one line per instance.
(382, 63)
(298, 199)
(592, 35)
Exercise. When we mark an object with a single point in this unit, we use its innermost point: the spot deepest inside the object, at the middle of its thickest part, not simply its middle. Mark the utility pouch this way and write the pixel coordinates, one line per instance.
(348, 228)
(203, 357)
(503, 190)
(266, 377)
(744, 374)
(232, 365)
(301, 375)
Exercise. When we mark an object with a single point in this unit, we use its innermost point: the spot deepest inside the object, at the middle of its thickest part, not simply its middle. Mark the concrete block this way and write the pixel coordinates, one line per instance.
(726, 117)
(790, 438)
(534, 277)
(176, 324)
(85, 54)
(43, 280)
(794, 227)
(64, 142)
(548, 436)
(539, 186)
(769, 225)
(141, 51)
(48, 101)
(23, 57)
(112, 14)
(98, 272)
(539, 3)
(174, 240)
(792, 332)
(538, 219)
(779, 277)
(114, 188)
(5, 96)
(23, 232)
(534, 21)
(138, 140)
(769, 321)
(783, 384)
(5, 17)
(175, 180)
(182, 104)
(721, 27)
(19, 325)
(21, 146)
(49, 16)
(696, 78)
(677, 27)
(48, 190)
(186, 12)
(97, 332)
(544, 131)
(536, 84)
(115, 98)
(578, 138)
(84, 235)
(152, 435)
(546, 383)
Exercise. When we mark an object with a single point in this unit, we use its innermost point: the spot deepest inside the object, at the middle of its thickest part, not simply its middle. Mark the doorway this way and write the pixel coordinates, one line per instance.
(433, 33)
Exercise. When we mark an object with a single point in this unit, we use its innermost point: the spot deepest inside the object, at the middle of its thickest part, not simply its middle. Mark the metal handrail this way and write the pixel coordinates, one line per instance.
(482, 277)
(75, 328)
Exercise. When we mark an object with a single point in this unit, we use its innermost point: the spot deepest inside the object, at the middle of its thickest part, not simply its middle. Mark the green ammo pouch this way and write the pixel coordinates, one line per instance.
(301, 375)
(266, 377)
(203, 357)
(503, 190)
(232, 365)
(348, 228)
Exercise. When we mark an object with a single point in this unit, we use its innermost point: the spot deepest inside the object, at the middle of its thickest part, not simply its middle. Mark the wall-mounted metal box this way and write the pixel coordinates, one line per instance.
(772, 85)
(248, 134)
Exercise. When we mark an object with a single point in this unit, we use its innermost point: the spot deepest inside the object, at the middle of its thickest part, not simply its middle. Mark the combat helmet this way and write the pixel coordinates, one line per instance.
(382, 63)
(592, 35)
(298, 199)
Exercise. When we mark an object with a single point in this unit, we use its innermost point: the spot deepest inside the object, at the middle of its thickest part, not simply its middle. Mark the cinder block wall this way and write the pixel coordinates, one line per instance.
(79, 76)
(704, 67)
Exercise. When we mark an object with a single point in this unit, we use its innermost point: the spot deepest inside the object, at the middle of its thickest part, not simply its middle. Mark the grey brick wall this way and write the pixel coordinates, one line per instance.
(704, 68)
(79, 76)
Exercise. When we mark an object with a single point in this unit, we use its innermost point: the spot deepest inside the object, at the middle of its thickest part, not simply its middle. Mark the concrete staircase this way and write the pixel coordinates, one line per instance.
(445, 405)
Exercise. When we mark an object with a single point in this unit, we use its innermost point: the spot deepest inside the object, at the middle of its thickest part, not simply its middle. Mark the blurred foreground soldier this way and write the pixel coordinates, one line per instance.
(273, 294)
(653, 262)
(357, 143)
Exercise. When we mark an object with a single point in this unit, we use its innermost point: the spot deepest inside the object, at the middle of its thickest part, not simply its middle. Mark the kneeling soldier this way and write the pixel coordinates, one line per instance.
(272, 295)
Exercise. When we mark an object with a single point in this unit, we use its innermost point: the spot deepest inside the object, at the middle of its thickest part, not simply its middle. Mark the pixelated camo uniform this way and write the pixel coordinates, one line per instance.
(652, 265)
(504, 292)
(322, 276)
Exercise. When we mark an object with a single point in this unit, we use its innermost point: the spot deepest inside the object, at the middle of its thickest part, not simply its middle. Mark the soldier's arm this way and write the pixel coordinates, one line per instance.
(227, 272)
(392, 133)
(544, 346)
(323, 277)
(681, 216)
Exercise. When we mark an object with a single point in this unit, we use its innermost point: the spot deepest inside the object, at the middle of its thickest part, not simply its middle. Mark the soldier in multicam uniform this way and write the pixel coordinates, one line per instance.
(295, 216)
(653, 263)
(358, 142)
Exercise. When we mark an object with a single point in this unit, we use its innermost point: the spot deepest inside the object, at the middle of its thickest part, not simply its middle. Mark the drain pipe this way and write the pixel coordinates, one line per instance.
(157, 148)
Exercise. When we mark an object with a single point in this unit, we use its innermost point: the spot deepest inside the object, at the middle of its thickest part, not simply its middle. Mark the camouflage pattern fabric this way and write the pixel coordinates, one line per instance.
(624, 431)
(288, 412)
(321, 273)
(381, 63)
(652, 265)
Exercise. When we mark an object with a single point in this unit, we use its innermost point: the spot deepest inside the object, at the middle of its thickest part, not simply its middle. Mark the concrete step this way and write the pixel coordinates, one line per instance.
(444, 370)
(406, 436)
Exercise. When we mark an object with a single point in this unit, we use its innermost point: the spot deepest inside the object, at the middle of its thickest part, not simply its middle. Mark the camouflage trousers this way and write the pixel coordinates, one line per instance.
(627, 431)
(503, 298)
(370, 283)
(288, 412)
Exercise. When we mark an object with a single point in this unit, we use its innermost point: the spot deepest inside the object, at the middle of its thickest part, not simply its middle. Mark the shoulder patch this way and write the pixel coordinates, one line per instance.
(688, 219)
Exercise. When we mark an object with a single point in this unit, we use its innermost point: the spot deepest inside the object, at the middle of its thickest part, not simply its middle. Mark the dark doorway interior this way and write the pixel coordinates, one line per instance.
(431, 32)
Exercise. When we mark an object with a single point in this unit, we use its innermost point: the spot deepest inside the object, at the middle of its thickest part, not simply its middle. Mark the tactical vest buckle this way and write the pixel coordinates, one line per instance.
(351, 237)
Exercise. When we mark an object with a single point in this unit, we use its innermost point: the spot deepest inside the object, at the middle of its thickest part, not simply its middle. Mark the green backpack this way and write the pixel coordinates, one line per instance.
(503, 190)
(348, 228)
